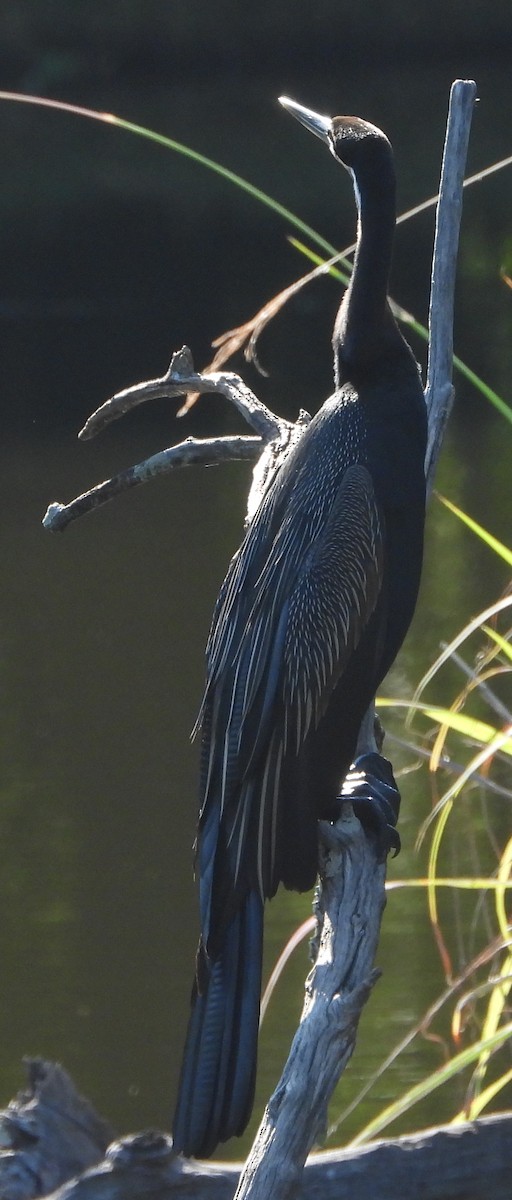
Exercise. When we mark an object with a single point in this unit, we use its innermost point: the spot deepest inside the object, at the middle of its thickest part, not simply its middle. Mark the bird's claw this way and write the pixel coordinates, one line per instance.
(371, 789)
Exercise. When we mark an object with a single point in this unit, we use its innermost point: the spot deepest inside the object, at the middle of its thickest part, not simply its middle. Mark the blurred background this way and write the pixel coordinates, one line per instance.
(113, 252)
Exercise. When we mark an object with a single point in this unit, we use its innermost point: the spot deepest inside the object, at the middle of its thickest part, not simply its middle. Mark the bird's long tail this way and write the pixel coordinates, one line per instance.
(218, 1072)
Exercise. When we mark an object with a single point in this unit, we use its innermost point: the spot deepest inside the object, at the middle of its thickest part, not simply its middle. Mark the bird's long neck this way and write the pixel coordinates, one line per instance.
(363, 320)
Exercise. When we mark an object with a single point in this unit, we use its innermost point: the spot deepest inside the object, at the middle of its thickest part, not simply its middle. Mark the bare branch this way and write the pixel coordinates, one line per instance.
(177, 381)
(275, 437)
(439, 390)
(207, 452)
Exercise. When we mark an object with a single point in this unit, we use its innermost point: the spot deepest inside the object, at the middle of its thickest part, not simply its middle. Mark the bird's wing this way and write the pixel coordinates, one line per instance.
(332, 602)
(280, 667)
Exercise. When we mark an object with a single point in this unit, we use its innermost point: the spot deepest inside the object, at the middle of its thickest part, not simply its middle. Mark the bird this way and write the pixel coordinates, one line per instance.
(313, 610)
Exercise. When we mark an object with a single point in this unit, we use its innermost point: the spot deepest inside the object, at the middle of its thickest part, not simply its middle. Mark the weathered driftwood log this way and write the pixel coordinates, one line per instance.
(48, 1134)
(51, 1135)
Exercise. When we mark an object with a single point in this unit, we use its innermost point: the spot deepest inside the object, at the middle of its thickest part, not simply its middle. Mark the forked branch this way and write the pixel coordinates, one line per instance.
(273, 435)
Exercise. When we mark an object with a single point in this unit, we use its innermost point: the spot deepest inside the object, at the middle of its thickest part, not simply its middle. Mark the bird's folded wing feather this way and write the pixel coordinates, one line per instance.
(274, 677)
(332, 602)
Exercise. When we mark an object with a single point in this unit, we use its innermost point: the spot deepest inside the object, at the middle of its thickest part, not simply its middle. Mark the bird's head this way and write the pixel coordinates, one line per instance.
(351, 140)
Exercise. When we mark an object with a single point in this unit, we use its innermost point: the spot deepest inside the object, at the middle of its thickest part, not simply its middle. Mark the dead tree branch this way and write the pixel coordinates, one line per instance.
(53, 1144)
(439, 392)
(274, 435)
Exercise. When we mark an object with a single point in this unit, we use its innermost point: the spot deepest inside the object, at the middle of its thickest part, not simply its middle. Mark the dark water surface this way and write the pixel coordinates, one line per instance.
(102, 629)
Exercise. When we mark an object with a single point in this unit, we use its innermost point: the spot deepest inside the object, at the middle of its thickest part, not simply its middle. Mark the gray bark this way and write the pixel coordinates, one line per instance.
(51, 1137)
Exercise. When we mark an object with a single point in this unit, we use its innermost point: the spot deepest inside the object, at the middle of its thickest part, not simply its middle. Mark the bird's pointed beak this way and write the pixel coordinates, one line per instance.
(321, 126)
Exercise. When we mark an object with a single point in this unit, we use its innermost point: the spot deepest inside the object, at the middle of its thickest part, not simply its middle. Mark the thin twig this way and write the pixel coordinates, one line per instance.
(449, 764)
(492, 699)
(206, 452)
(179, 379)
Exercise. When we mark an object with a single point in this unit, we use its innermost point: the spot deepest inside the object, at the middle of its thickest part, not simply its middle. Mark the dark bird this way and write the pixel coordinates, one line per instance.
(311, 614)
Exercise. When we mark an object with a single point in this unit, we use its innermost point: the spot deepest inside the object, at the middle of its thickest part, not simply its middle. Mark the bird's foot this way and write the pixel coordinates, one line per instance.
(371, 789)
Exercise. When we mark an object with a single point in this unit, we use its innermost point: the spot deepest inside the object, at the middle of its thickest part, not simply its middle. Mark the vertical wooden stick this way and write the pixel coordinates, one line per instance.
(439, 390)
